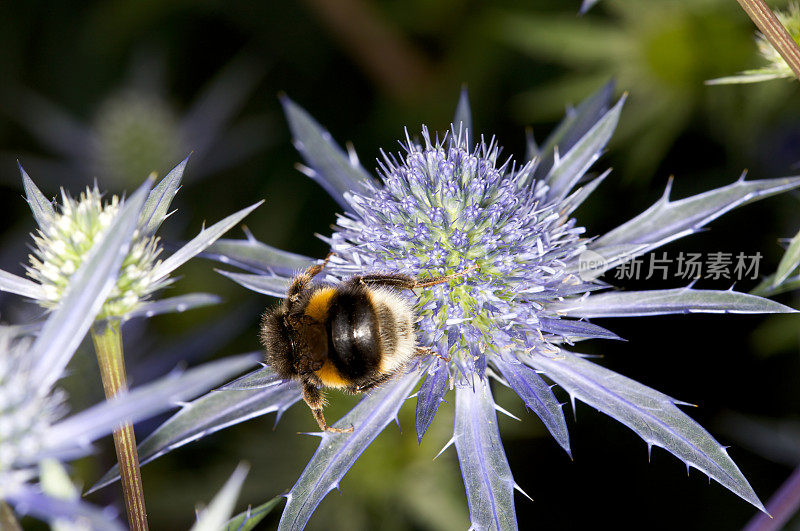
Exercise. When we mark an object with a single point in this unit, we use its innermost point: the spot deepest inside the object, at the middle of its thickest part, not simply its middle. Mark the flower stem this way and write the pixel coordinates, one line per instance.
(773, 30)
(7, 519)
(107, 340)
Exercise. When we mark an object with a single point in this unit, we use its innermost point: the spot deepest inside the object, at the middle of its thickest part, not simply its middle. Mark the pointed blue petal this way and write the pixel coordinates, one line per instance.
(208, 414)
(337, 452)
(157, 205)
(330, 166)
(538, 397)
(667, 220)
(430, 396)
(574, 126)
(666, 301)
(484, 467)
(257, 257)
(27, 499)
(651, 414)
(43, 211)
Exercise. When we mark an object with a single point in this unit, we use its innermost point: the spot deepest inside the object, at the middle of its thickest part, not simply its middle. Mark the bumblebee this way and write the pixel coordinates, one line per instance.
(352, 336)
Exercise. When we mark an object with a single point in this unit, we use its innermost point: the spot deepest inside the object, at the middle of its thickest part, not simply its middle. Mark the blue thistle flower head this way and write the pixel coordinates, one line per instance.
(522, 286)
(442, 209)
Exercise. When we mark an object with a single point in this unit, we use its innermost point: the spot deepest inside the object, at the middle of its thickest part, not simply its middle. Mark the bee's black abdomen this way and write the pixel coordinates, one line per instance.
(354, 335)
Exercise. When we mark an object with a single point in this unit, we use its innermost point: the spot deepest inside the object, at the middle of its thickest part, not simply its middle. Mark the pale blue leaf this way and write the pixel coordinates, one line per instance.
(43, 211)
(789, 261)
(257, 257)
(266, 284)
(665, 301)
(208, 414)
(484, 467)
(654, 416)
(20, 286)
(430, 396)
(571, 165)
(87, 291)
(178, 304)
(248, 519)
(330, 166)
(337, 452)
(538, 397)
(143, 402)
(157, 205)
(201, 241)
(581, 194)
(575, 330)
(216, 515)
(28, 500)
(462, 121)
(259, 379)
(573, 127)
(587, 5)
(667, 220)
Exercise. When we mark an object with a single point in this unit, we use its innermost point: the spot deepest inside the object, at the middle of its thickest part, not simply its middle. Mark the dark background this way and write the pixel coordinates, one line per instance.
(367, 69)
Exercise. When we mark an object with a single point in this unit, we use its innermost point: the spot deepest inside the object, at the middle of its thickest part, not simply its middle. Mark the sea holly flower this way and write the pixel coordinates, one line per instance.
(67, 232)
(445, 206)
(35, 424)
(67, 237)
(776, 67)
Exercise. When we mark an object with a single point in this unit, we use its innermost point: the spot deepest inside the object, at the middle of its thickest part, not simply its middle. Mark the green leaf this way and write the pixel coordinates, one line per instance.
(789, 261)
(247, 520)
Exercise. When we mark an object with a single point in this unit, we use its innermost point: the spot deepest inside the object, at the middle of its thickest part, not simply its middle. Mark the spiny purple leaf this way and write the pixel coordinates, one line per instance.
(666, 301)
(257, 257)
(330, 166)
(201, 241)
(156, 207)
(337, 452)
(574, 126)
(667, 220)
(654, 416)
(484, 467)
(20, 286)
(575, 329)
(43, 211)
(571, 165)
(208, 414)
(268, 285)
(143, 402)
(27, 499)
(430, 396)
(180, 303)
(538, 397)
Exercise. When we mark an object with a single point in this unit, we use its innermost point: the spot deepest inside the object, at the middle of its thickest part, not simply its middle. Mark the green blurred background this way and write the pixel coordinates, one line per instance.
(114, 90)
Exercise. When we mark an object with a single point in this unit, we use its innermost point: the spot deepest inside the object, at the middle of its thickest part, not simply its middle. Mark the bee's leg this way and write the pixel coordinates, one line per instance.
(315, 401)
(301, 281)
(439, 280)
(428, 351)
(400, 281)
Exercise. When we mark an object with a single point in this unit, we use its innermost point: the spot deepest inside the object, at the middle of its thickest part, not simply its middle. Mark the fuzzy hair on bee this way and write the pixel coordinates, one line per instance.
(352, 336)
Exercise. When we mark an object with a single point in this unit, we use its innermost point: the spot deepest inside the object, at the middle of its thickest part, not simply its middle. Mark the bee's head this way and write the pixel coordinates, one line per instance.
(277, 338)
